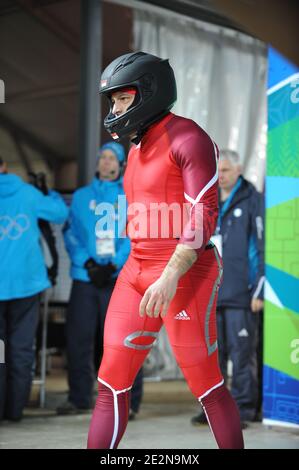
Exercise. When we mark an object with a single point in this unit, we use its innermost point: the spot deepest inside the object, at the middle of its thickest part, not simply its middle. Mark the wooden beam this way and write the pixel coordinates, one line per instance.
(37, 94)
(273, 21)
(50, 156)
(52, 23)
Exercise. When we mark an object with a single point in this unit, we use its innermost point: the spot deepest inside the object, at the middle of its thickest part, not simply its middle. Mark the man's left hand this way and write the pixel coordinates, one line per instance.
(257, 305)
(158, 296)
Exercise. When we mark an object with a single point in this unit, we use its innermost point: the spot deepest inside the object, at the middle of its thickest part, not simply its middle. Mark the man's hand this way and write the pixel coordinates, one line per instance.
(257, 305)
(158, 296)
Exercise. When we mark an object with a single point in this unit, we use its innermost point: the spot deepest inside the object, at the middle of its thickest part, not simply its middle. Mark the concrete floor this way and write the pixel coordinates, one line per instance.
(163, 423)
(157, 427)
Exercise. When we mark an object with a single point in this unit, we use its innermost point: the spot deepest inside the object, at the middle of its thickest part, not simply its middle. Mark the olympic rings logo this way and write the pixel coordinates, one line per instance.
(13, 228)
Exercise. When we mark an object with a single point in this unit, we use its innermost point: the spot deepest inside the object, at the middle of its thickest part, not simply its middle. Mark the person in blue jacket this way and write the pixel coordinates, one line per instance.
(98, 253)
(23, 276)
(239, 238)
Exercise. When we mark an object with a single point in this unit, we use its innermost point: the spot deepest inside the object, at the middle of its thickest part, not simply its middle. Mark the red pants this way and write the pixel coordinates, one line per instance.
(190, 322)
(191, 327)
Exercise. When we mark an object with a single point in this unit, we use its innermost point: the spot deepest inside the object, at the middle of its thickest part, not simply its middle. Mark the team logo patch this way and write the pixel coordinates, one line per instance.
(103, 83)
(238, 212)
(183, 315)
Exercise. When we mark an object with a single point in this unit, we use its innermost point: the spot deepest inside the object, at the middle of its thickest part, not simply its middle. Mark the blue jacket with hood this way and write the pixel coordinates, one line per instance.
(80, 231)
(22, 267)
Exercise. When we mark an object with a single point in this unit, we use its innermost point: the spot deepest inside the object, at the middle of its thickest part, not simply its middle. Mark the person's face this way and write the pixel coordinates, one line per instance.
(228, 174)
(108, 165)
(121, 102)
(3, 168)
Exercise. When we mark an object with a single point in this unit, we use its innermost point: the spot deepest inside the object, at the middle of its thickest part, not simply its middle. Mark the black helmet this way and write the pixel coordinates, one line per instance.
(154, 81)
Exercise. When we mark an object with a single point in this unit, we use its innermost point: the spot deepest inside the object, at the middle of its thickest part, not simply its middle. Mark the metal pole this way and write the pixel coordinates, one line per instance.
(89, 124)
(44, 350)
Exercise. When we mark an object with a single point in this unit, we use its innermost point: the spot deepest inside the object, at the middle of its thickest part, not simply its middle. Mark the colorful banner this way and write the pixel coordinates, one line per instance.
(281, 325)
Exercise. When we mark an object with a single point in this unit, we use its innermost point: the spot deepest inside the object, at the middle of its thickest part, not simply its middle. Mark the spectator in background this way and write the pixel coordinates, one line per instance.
(39, 181)
(97, 257)
(240, 240)
(23, 276)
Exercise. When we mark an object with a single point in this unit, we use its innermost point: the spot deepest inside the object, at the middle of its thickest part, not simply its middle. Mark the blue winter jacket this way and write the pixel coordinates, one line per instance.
(241, 227)
(80, 231)
(22, 267)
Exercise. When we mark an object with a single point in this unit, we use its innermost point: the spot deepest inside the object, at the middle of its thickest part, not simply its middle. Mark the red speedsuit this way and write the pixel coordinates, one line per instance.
(176, 162)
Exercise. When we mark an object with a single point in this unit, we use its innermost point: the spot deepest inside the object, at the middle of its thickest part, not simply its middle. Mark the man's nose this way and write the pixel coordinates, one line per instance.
(116, 109)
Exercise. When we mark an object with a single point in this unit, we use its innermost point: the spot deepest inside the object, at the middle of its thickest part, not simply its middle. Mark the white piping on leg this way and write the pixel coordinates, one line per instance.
(116, 412)
(210, 390)
(113, 389)
(204, 408)
(205, 412)
(116, 420)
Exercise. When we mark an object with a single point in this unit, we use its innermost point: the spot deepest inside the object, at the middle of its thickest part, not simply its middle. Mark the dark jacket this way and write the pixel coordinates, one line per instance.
(241, 227)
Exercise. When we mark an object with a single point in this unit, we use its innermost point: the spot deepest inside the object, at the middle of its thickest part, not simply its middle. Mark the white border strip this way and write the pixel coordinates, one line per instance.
(209, 422)
(281, 84)
(113, 389)
(259, 287)
(273, 422)
(210, 390)
(208, 185)
(116, 413)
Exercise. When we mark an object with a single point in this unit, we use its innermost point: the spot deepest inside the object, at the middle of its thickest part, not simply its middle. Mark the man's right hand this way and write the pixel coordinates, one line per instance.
(99, 274)
(257, 305)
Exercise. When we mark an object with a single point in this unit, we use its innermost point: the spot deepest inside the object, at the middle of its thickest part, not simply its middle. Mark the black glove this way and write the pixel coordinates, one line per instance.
(39, 181)
(52, 274)
(99, 274)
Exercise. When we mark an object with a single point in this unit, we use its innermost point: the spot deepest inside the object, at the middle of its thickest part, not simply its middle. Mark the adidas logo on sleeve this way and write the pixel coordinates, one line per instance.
(182, 316)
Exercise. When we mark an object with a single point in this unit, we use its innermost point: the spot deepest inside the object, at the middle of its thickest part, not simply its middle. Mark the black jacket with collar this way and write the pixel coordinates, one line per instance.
(242, 248)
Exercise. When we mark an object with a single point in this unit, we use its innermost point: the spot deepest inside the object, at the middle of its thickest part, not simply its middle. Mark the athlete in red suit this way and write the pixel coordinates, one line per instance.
(173, 272)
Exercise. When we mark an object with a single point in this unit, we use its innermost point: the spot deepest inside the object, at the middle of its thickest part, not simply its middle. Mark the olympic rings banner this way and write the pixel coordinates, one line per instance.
(281, 325)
